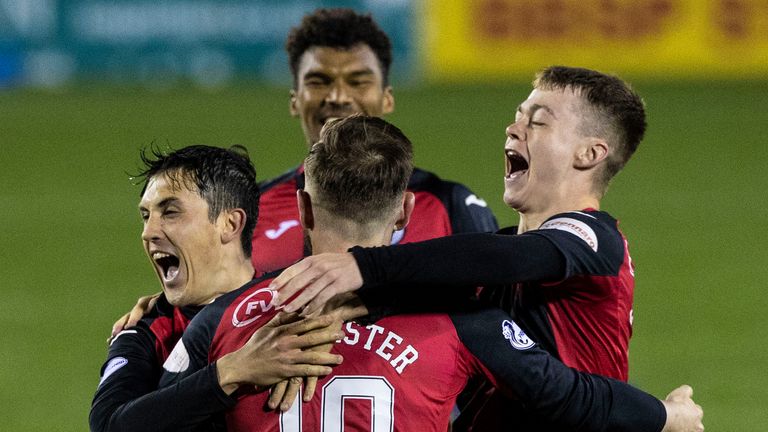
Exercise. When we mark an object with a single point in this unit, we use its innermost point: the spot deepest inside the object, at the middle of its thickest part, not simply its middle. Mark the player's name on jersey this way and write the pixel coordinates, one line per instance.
(386, 344)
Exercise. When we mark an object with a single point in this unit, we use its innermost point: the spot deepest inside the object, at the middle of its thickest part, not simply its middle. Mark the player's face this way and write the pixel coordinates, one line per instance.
(337, 83)
(181, 242)
(540, 150)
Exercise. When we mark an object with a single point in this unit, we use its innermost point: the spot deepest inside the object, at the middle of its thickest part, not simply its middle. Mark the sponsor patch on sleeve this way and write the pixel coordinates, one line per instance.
(575, 227)
(113, 366)
(516, 335)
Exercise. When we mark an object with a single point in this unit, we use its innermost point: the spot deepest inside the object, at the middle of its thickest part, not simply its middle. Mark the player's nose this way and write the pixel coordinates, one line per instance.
(339, 94)
(516, 131)
(151, 230)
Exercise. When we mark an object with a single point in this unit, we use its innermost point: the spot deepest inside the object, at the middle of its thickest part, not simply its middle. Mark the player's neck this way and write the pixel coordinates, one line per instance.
(332, 241)
(232, 274)
(531, 219)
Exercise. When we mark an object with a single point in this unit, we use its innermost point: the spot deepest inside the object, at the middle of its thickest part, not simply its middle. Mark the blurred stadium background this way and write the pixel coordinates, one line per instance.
(84, 84)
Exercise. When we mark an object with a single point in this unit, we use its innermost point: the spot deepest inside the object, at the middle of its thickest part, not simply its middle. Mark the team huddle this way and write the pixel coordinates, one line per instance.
(339, 297)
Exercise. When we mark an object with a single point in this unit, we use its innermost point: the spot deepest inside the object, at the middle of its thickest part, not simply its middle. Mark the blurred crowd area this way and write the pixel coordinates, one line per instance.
(212, 43)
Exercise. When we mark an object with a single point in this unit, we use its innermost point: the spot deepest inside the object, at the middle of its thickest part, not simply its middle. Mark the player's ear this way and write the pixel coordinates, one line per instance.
(306, 216)
(231, 223)
(388, 102)
(589, 155)
(292, 108)
(409, 201)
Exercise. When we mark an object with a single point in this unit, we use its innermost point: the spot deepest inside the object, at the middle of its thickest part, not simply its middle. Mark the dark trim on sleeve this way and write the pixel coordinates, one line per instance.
(463, 259)
(548, 389)
(194, 400)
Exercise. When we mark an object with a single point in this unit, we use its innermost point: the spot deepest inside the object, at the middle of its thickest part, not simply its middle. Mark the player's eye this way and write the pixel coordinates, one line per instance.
(360, 82)
(316, 82)
(171, 212)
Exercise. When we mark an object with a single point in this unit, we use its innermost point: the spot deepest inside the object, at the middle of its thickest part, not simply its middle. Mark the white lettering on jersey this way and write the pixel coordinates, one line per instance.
(374, 331)
(387, 344)
(178, 360)
(113, 366)
(516, 335)
(284, 226)
(351, 330)
(575, 227)
(474, 199)
(408, 356)
(387, 347)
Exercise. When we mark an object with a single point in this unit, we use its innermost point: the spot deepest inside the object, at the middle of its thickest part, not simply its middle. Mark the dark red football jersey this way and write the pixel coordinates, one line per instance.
(568, 283)
(442, 208)
(402, 373)
(587, 317)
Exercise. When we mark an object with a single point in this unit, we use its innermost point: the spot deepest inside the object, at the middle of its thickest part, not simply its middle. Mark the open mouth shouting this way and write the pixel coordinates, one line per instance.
(516, 164)
(167, 266)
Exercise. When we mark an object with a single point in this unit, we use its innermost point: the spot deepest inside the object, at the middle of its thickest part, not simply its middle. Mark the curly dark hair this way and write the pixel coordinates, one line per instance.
(338, 28)
(225, 178)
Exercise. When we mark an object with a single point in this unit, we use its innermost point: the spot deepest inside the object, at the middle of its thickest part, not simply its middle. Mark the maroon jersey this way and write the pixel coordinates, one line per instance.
(442, 208)
(586, 318)
(402, 373)
(568, 283)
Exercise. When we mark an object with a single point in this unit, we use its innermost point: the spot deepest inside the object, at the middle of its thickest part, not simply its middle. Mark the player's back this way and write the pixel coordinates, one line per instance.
(402, 373)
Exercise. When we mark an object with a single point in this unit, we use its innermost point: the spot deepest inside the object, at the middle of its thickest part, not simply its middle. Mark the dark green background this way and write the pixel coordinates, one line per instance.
(692, 203)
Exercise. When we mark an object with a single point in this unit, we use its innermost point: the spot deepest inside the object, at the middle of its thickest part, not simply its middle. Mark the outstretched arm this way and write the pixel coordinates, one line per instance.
(570, 399)
(466, 259)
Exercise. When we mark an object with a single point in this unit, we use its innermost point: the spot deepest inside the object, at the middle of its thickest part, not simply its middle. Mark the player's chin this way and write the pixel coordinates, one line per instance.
(176, 293)
(513, 199)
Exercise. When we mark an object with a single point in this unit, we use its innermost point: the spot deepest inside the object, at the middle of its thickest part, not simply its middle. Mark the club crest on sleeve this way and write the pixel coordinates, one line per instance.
(575, 227)
(113, 366)
(253, 307)
(516, 335)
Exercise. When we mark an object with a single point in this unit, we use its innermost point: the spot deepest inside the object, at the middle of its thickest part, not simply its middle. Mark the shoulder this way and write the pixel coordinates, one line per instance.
(290, 178)
(208, 319)
(467, 211)
(426, 181)
(595, 229)
(589, 240)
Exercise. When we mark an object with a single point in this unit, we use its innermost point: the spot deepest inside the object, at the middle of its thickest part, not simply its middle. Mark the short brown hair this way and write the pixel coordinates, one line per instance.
(615, 112)
(360, 167)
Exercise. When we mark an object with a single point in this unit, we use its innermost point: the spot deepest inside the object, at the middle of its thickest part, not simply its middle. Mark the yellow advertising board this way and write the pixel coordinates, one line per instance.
(476, 39)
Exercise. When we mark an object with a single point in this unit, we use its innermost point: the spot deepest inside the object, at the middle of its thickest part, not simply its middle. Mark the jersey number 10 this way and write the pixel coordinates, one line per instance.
(374, 388)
